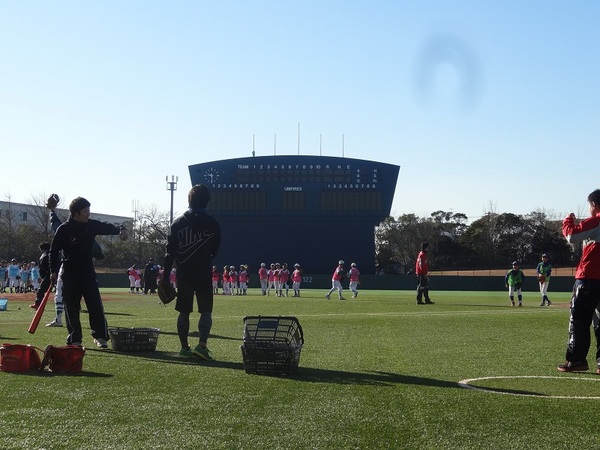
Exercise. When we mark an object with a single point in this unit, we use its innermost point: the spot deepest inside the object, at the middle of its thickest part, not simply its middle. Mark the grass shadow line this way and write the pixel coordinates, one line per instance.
(196, 334)
(375, 378)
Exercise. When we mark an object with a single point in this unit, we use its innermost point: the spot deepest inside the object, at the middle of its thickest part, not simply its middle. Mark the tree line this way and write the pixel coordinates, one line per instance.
(492, 242)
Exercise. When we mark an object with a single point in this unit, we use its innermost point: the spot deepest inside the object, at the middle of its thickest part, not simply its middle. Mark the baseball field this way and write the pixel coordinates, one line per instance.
(376, 372)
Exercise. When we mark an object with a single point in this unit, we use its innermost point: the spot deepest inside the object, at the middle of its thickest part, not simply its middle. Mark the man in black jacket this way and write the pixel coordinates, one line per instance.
(75, 239)
(150, 274)
(194, 239)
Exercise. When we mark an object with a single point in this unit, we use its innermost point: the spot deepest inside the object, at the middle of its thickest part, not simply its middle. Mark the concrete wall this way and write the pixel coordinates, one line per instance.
(390, 282)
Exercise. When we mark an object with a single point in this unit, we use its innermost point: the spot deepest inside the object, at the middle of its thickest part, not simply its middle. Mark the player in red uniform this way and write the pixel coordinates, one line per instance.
(215, 279)
(284, 278)
(243, 279)
(422, 271)
(585, 299)
(225, 281)
(263, 276)
(271, 277)
(233, 281)
(296, 279)
(354, 276)
(336, 280)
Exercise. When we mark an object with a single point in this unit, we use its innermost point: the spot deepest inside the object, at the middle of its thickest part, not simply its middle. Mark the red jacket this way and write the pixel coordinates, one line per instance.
(588, 232)
(338, 274)
(422, 264)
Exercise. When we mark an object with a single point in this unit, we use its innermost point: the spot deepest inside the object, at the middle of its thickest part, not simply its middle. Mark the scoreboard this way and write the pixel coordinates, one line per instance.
(304, 197)
(301, 185)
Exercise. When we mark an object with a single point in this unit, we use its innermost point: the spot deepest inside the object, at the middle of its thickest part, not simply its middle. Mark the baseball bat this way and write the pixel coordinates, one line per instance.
(38, 313)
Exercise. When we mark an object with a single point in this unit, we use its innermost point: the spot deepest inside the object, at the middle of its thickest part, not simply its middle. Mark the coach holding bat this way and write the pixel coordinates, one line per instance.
(75, 238)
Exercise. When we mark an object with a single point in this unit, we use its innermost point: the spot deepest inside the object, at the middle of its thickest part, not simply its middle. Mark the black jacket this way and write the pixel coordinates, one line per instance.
(76, 240)
(44, 265)
(194, 239)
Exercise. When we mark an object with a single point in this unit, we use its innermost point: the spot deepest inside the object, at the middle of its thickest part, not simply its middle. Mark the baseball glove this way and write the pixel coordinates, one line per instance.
(166, 292)
(52, 201)
(541, 278)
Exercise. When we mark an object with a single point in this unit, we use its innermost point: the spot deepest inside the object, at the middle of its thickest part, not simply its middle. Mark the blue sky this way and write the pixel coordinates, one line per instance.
(484, 105)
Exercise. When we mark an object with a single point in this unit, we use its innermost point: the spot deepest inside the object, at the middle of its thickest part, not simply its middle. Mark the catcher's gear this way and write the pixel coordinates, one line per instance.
(166, 292)
(52, 201)
(541, 278)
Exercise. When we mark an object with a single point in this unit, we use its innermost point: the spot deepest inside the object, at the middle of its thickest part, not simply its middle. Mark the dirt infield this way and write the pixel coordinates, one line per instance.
(28, 298)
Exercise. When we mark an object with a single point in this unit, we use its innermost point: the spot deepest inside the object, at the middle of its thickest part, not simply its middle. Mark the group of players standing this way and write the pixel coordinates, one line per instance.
(19, 278)
(277, 278)
(232, 281)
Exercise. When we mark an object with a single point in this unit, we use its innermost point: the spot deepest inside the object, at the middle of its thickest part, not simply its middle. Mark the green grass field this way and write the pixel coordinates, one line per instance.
(377, 372)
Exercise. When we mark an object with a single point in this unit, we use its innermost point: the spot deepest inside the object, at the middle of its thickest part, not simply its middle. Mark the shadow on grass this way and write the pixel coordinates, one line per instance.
(483, 305)
(46, 373)
(196, 334)
(309, 374)
(82, 374)
(508, 391)
(106, 313)
(167, 357)
(375, 378)
(306, 374)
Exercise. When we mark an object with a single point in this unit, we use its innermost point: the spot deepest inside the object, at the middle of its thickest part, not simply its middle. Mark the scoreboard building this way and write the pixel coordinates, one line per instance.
(311, 210)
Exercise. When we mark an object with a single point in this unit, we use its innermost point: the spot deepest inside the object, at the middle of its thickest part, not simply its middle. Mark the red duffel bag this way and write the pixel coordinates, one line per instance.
(19, 358)
(66, 359)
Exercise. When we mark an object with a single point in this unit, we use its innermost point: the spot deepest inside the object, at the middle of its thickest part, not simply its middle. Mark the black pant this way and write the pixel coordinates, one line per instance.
(150, 285)
(44, 285)
(423, 288)
(75, 286)
(585, 299)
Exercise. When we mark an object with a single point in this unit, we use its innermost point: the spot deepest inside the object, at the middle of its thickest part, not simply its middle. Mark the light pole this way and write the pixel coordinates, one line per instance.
(134, 209)
(172, 186)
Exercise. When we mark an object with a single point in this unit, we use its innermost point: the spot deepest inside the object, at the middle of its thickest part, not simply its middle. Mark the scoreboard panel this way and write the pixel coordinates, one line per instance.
(287, 208)
(305, 185)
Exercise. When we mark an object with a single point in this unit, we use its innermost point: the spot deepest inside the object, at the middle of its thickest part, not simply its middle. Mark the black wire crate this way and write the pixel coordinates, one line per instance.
(134, 339)
(272, 345)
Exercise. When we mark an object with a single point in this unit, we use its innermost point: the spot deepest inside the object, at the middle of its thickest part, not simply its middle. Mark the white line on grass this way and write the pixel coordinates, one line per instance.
(466, 383)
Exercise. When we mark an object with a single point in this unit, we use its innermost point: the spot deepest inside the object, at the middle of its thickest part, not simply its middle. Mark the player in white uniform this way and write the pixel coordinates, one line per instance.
(35, 276)
(13, 273)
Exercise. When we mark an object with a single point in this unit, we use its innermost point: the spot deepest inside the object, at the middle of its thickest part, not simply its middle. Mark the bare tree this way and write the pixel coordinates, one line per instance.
(39, 215)
(151, 232)
(8, 228)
